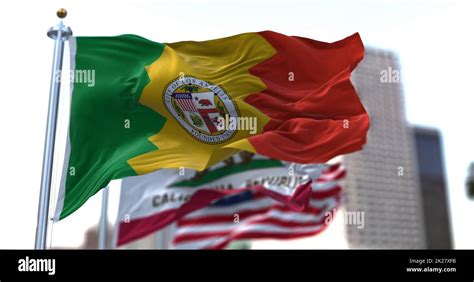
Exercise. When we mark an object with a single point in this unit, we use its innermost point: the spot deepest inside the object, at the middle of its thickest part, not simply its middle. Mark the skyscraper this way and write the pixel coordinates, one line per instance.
(382, 180)
(433, 188)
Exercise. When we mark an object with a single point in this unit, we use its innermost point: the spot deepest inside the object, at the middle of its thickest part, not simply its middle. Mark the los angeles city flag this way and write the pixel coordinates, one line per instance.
(155, 105)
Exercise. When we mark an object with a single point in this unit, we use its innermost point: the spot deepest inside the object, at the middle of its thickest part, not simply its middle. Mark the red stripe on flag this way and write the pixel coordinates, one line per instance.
(243, 215)
(247, 220)
(308, 113)
(249, 234)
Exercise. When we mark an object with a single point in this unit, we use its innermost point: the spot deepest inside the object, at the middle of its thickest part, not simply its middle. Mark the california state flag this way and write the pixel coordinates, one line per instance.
(151, 202)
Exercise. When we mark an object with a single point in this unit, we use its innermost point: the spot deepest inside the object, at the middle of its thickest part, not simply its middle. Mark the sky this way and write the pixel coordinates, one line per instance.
(433, 39)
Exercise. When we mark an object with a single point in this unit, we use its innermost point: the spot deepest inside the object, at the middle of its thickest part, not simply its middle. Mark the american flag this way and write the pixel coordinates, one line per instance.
(185, 101)
(259, 216)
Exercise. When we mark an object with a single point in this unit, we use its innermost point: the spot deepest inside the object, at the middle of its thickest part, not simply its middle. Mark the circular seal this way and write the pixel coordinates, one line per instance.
(201, 108)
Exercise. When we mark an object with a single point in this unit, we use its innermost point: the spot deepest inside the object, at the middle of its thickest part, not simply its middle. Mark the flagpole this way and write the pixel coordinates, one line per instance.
(60, 34)
(103, 223)
(161, 239)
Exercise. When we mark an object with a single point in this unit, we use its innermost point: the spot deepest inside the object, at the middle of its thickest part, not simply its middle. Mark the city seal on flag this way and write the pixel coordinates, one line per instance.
(199, 107)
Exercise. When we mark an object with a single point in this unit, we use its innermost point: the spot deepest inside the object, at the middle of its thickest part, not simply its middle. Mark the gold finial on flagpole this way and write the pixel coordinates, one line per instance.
(61, 13)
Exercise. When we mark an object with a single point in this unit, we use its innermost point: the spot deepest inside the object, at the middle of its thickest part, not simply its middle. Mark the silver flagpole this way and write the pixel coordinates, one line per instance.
(103, 223)
(470, 182)
(60, 34)
(160, 240)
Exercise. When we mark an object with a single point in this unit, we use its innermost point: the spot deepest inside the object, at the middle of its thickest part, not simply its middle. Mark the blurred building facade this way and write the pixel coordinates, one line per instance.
(382, 180)
(433, 188)
(91, 238)
(470, 182)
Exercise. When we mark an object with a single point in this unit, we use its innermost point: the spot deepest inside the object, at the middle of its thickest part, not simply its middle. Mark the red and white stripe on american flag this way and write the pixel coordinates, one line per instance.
(187, 105)
(261, 217)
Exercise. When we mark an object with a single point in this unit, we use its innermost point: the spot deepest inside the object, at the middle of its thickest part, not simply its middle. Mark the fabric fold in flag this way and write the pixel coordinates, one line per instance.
(194, 104)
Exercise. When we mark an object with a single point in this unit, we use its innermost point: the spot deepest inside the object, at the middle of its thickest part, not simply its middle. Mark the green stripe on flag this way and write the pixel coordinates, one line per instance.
(226, 171)
(108, 125)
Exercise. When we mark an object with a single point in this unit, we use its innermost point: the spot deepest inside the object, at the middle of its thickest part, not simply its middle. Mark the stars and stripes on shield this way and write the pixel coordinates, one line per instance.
(185, 101)
(201, 107)
(252, 215)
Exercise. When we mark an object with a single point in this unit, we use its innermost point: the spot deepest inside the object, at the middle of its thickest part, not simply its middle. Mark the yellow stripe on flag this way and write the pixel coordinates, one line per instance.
(222, 62)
